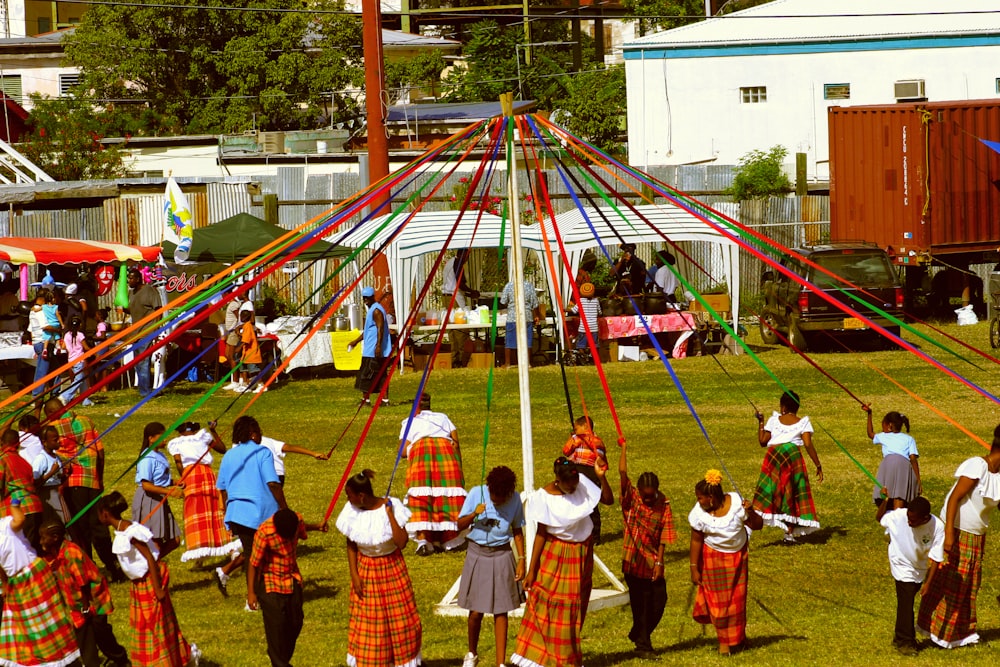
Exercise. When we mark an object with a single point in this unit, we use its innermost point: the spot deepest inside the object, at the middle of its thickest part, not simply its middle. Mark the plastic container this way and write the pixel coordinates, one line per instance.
(459, 316)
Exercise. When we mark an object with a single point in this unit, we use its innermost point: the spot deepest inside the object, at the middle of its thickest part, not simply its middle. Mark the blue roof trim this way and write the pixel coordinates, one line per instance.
(654, 52)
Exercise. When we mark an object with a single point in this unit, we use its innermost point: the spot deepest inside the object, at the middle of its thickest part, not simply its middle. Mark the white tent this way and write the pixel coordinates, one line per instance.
(580, 230)
(424, 232)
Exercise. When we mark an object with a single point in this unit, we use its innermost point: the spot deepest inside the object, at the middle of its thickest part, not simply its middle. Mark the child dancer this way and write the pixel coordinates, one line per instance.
(250, 351)
(584, 449)
(152, 475)
(914, 534)
(33, 605)
(156, 636)
(899, 471)
(87, 593)
(47, 470)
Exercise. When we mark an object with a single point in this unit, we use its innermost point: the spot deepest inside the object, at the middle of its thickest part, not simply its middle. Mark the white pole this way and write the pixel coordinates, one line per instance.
(521, 317)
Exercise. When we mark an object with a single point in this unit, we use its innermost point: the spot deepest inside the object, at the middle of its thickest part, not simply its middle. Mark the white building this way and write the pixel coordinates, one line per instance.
(712, 91)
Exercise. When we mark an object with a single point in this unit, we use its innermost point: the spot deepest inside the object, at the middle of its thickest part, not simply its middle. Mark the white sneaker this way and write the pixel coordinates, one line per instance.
(240, 388)
(195, 656)
(231, 386)
(259, 389)
(470, 660)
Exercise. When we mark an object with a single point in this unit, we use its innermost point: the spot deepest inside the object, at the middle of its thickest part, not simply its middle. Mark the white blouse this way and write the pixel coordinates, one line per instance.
(975, 510)
(191, 447)
(370, 529)
(567, 517)
(133, 563)
(782, 433)
(725, 533)
(15, 552)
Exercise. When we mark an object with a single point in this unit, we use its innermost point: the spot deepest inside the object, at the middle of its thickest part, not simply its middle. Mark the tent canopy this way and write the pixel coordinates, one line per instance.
(242, 235)
(23, 250)
(426, 232)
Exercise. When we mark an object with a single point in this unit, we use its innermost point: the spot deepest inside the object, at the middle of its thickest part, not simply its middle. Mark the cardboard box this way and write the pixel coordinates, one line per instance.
(481, 360)
(443, 360)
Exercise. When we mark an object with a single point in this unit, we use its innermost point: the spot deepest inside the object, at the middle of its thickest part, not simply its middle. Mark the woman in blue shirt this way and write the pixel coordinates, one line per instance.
(899, 472)
(491, 576)
(152, 475)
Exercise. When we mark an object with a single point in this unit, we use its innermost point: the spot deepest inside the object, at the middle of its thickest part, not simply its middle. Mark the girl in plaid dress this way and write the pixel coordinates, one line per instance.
(783, 497)
(719, 561)
(560, 576)
(384, 629)
(156, 637)
(36, 629)
(948, 609)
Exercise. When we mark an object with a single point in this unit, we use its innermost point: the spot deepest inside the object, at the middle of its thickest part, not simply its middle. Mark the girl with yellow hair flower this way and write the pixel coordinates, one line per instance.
(719, 560)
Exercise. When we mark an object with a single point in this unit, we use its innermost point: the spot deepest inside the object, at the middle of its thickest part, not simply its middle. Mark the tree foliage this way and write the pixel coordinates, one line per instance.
(423, 69)
(596, 106)
(760, 175)
(204, 70)
(65, 141)
(654, 15)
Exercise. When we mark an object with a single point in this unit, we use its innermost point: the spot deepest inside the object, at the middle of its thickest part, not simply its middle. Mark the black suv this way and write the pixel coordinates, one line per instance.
(806, 318)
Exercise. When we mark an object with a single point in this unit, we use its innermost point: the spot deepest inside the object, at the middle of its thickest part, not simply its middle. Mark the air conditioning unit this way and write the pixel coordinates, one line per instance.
(272, 142)
(907, 91)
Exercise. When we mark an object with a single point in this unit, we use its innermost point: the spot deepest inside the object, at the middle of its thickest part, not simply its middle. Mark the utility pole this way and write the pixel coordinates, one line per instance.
(376, 106)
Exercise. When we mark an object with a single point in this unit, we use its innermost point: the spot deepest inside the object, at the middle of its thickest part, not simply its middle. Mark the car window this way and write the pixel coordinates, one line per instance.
(863, 268)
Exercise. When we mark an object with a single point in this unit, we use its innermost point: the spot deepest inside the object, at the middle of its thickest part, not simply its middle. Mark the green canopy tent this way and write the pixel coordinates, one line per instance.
(240, 236)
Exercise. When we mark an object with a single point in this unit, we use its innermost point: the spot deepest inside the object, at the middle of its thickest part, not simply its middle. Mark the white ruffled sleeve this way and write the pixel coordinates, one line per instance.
(564, 510)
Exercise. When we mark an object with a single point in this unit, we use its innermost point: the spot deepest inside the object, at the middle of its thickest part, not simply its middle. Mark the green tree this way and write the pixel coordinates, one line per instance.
(261, 63)
(596, 106)
(654, 15)
(422, 70)
(65, 141)
(760, 175)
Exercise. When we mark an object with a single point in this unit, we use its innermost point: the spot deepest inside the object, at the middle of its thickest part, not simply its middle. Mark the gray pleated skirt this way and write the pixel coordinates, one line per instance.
(488, 584)
(162, 524)
(896, 474)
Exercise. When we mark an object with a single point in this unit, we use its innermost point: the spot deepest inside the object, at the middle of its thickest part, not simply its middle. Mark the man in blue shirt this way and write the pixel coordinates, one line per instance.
(250, 489)
(375, 350)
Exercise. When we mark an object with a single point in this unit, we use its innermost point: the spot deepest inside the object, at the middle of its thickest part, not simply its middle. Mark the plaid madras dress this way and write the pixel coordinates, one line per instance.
(384, 628)
(75, 571)
(205, 533)
(948, 611)
(156, 637)
(783, 496)
(436, 485)
(722, 597)
(36, 629)
(551, 629)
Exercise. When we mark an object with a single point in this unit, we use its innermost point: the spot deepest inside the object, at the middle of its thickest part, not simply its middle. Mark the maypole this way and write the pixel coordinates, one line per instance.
(521, 317)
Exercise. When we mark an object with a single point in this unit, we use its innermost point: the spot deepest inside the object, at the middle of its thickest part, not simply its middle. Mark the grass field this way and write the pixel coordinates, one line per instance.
(828, 600)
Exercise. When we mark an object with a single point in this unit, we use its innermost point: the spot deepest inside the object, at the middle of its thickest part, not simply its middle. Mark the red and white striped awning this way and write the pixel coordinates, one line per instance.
(23, 250)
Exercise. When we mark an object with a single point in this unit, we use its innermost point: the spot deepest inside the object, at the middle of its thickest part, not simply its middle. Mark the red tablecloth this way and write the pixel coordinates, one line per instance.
(623, 326)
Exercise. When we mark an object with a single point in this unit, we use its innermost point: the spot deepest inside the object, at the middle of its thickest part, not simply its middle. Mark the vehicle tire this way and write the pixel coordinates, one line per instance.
(797, 338)
(995, 332)
(768, 326)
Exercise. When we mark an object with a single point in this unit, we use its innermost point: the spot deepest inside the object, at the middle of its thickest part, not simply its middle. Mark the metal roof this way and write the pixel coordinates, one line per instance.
(791, 21)
(394, 39)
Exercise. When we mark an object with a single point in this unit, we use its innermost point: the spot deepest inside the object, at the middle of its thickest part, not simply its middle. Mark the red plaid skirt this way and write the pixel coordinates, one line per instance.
(436, 485)
(156, 638)
(384, 628)
(722, 596)
(948, 611)
(36, 629)
(205, 533)
(783, 496)
(557, 605)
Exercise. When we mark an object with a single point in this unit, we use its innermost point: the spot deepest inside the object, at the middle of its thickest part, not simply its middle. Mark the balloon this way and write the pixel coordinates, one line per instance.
(121, 296)
(22, 308)
(105, 279)
(24, 282)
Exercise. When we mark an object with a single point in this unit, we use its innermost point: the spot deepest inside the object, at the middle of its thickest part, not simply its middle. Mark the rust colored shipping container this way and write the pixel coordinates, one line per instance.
(917, 178)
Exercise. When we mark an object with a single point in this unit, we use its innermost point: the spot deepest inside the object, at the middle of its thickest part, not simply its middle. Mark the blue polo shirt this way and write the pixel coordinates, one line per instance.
(495, 526)
(244, 474)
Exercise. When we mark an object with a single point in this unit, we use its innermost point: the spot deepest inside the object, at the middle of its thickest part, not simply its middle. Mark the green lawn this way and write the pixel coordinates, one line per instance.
(827, 601)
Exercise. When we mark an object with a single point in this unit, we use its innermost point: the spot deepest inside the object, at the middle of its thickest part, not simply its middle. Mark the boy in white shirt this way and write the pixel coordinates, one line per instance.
(914, 535)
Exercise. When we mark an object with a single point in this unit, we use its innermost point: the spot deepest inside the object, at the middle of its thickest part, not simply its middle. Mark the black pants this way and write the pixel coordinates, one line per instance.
(245, 535)
(283, 618)
(906, 593)
(88, 532)
(96, 633)
(647, 599)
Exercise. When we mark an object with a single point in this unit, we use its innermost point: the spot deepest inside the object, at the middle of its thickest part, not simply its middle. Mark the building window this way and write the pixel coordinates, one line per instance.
(10, 84)
(67, 82)
(753, 94)
(836, 91)
(998, 86)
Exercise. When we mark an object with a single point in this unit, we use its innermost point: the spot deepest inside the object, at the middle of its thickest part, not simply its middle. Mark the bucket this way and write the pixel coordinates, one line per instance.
(321, 147)
(354, 316)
